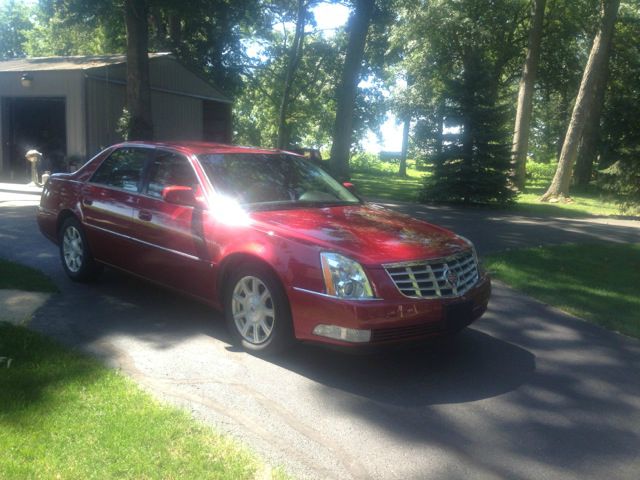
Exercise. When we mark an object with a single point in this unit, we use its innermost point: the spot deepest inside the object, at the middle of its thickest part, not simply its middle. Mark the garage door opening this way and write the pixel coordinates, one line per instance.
(32, 123)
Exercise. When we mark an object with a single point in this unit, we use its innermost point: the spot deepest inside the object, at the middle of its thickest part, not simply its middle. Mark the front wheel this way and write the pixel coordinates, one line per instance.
(257, 310)
(76, 257)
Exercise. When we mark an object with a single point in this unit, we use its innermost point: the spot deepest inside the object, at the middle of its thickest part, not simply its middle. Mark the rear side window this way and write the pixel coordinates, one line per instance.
(169, 169)
(123, 169)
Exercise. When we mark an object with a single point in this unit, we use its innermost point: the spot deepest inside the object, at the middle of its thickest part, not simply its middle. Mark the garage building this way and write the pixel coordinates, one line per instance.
(68, 108)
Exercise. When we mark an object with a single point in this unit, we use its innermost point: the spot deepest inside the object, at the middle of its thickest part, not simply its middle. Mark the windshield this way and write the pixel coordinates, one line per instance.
(273, 180)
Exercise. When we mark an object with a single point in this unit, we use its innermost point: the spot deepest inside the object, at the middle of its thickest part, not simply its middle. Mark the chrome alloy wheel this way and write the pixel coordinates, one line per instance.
(252, 310)
(72, 249)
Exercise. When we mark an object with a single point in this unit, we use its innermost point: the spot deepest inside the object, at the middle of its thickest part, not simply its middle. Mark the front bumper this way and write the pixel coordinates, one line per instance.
(390, 321)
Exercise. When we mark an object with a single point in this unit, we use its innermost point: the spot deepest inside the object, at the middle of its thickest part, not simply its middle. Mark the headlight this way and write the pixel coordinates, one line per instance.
(343, 277)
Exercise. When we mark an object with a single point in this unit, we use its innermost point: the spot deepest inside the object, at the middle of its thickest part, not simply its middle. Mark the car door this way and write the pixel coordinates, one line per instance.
(172, 236)
(107, 203)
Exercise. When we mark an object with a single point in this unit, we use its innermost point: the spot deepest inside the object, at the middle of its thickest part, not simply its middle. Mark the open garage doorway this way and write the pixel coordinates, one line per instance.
(32, 123)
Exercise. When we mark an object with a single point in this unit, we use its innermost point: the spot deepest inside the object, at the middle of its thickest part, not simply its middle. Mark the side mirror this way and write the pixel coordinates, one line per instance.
(180, 195)
(349, 186)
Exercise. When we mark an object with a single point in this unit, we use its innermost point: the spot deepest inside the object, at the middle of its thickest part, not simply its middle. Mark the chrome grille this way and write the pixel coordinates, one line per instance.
(440, 278)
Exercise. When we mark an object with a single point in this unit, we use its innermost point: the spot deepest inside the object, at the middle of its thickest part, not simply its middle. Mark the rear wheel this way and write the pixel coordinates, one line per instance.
(77, 261)
(257, 310)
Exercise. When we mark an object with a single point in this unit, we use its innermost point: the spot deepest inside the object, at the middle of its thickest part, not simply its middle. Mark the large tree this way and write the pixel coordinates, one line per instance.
(522, 126)
(590, 141)
(559, 187)
(462, 58)
(294, 57)
(307, 116)
(136, 15)
(358, 27)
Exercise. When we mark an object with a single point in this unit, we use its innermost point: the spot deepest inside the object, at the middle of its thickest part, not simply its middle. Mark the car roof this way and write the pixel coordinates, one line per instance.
(198, 148)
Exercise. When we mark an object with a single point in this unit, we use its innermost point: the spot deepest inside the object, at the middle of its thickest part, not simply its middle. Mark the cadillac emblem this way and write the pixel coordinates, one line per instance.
(450, 277)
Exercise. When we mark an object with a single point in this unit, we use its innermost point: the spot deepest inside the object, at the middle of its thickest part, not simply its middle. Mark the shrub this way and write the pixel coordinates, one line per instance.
(623, 179)
(367, 162)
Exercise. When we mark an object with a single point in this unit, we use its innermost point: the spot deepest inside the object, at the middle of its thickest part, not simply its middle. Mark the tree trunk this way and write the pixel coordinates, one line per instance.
(588, 148)
(584, 102)
(346, 93)
(136, 13)
(440, 129)
(525, 96)
(405, 147)
(295, 54)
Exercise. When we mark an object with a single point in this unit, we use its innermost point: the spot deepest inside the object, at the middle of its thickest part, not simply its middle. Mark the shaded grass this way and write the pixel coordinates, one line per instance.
(19, 277)
(63, 415)
(598, 282)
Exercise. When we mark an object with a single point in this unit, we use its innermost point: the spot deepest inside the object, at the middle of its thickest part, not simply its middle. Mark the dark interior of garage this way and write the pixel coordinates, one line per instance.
(32, 123)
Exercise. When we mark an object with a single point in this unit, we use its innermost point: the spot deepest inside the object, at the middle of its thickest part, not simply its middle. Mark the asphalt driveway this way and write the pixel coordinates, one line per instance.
(528, 392)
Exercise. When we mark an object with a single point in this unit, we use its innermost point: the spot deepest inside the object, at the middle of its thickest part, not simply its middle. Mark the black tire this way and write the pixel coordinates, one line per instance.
(264, 333)
(77, 261)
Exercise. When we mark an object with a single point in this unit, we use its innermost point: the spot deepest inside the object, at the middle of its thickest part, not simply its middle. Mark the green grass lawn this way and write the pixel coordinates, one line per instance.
(388, 186)
(598, 282)
(19, 277)
(581, 205)
(65, 416)
(381, 182)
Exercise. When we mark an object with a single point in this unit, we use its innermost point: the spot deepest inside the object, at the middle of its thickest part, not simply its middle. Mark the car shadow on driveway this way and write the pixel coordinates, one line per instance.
(470, 367)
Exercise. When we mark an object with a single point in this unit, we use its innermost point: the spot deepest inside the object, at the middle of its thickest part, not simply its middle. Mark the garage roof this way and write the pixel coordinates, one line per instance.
(80, 62)
(170, 75)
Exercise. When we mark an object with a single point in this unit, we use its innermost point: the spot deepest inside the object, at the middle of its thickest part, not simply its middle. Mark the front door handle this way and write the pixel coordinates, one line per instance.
(87, 201)
(144, 215)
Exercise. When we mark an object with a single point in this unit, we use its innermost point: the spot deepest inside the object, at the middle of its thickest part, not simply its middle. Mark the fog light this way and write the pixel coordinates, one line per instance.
(341, 333)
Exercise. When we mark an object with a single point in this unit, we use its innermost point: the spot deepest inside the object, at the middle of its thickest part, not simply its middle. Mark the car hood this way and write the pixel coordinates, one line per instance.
(369, 233)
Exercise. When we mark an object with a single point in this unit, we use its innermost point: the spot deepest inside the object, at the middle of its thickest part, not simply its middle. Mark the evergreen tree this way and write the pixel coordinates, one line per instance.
(473, 165)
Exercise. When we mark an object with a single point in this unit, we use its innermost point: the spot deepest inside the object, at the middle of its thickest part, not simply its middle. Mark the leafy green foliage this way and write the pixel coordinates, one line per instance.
(458, 55)
(619, 160)
(207, 35)
(312, 105)
(367, 162)
(123, 128)
(62, 28)
(623, 178)
(14, 26)
(540, 174)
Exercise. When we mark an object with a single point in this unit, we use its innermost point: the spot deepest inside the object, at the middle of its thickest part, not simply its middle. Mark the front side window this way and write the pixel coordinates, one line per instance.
(122, 169)
(170, 169)
(273, 180)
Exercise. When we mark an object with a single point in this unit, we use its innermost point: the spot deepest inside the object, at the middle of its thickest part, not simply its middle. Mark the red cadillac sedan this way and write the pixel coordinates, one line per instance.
(269, 238)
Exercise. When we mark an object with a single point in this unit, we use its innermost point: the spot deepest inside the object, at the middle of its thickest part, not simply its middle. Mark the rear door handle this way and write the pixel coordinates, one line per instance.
(144, 215)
